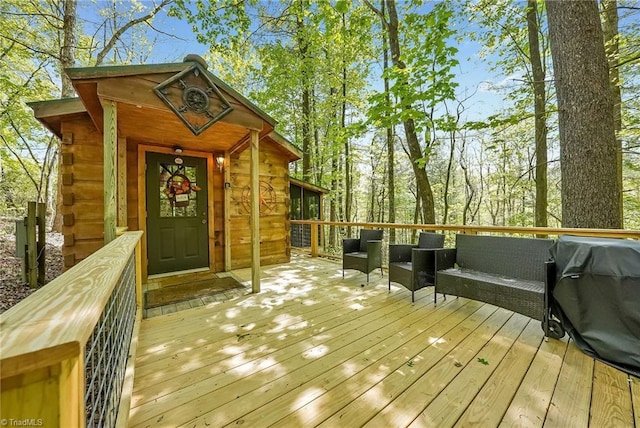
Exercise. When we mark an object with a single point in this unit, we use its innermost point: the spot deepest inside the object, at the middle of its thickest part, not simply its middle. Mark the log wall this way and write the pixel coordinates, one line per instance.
(275, 245)
(82, 190)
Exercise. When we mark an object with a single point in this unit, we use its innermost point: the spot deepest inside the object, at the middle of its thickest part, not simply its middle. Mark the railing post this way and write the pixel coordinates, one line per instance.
(42, 241)
(139, 275)
(314, 240)
(72, 388)
(32, 249)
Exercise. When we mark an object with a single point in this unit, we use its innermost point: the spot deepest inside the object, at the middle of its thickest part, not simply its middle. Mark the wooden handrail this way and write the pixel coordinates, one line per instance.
(606, 233)
(44, 335)
(61, 316)
(472, 229)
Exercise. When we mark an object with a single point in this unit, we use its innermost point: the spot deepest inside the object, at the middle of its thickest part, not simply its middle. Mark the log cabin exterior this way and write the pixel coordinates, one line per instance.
(173, 151)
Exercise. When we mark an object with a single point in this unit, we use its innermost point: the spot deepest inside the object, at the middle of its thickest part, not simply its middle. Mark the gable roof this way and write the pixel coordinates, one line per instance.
(91, 73)
(132, 87)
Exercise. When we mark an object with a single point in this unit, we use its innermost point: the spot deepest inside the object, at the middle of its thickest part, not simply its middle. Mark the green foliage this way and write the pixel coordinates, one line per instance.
(222, 24)
(15, 186)
(31, 35)
(505, 48)
(27, 58)
(428, 79)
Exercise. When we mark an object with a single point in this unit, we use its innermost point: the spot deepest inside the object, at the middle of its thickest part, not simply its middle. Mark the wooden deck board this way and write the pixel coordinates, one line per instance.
(611, 398)
(382, 337)
(313, 402)
(531, 401)
(258, 345)
(452, 401)
(491, 403)
(408, 404)
(571, 400)
(314, 349)
(261, 332)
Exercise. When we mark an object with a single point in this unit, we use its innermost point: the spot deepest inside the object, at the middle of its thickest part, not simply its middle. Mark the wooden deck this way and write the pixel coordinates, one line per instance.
(316, 350)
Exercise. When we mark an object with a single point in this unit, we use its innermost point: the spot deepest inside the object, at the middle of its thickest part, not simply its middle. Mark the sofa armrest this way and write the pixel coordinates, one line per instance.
(550, 277)
(445, 258)
(350, 245)
(400, 253)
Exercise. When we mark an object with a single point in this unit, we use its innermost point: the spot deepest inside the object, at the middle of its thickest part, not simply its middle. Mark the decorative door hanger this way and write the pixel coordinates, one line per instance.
(178, 186)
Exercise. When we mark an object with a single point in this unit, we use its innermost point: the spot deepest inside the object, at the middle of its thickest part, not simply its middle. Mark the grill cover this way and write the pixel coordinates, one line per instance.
(597, 297)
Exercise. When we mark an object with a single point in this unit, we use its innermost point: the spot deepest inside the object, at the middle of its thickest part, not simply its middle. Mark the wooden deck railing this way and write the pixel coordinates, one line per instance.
(467, 229)
(64, 349)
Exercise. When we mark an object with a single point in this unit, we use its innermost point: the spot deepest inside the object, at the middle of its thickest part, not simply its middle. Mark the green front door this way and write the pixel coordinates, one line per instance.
(177, 230)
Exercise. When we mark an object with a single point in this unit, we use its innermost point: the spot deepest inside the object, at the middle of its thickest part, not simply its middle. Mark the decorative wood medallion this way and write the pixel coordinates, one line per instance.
(267, 198)
(194, 98)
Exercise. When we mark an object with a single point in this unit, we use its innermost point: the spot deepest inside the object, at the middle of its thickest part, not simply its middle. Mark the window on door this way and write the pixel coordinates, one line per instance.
(178, 190)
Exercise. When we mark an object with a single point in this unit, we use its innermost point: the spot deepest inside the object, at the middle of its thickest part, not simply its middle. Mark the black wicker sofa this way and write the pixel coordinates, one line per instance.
(504, 271)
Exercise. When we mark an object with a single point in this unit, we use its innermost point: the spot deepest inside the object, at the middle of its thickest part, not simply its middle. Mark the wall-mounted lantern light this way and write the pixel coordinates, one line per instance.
(220, 161)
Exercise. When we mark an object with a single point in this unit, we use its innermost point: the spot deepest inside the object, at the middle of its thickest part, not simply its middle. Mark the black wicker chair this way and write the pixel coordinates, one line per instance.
(413, 266)
(364, 254)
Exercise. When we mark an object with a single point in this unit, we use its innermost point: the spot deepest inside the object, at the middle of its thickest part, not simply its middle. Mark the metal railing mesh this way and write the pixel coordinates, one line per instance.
(107, 351)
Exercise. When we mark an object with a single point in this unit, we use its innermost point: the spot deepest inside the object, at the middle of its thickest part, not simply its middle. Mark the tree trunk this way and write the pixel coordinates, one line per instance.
(540, 113)
(335, 154)
(333, 209)
(67, 59)
(303, 48)
(588, 154)
(611, 46)
(390, 144)
(447, 180)
(67, 50)
(415, 151)
(348, 164)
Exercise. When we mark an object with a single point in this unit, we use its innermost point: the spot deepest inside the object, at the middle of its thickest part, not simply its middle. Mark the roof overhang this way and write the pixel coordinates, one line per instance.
(294, 152)
(93, 73)
(308, 186)
(51, 113)
(143, 114)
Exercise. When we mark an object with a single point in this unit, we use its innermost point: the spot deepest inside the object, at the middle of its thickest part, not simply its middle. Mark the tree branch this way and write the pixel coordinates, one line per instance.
(116, 36)
(29, 48)
(377, 12)
(634, 58)
(20, 161)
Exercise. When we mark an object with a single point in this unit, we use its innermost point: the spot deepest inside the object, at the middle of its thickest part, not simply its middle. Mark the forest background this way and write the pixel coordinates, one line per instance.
(407, 112)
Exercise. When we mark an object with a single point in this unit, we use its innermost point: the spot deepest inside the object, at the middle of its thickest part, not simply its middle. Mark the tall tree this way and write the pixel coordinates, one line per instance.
(513, 34)
(391, 149)
(30, 44)
(418, 88)
(68, 48)
(540, 112)
(588, 155)
(39, 39)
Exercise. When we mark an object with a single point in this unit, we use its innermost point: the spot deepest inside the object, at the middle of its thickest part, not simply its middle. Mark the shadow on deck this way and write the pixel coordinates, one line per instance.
(314, 349)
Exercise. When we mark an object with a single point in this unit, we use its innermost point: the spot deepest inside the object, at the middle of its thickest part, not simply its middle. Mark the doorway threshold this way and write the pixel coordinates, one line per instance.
(178, 272)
